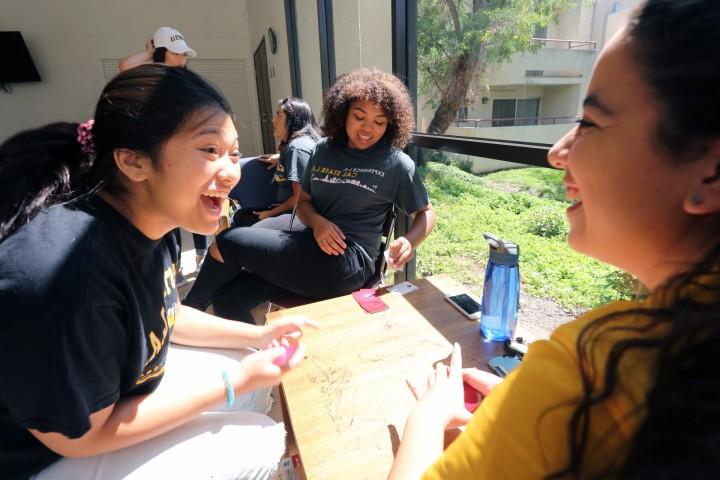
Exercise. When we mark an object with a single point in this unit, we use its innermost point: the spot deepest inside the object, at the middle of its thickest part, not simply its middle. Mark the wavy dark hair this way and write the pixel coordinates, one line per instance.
(383, 89)
(158, 55)
(139, 109)
(676, 45)
(299, 121)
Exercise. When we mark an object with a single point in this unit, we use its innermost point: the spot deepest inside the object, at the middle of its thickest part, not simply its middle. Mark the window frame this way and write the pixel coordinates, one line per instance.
(404, 61)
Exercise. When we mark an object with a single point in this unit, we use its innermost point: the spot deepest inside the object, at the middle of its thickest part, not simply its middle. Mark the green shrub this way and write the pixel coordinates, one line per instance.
(530, 213)
(546, 221)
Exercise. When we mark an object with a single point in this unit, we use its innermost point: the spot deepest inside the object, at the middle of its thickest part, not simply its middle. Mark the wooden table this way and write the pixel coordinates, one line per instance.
(348, 401)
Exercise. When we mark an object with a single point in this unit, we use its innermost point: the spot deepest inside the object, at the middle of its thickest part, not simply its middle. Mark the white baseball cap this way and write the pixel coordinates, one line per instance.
(172, 40)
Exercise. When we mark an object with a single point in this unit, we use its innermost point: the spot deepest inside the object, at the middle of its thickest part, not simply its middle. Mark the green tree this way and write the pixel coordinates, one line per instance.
(459, 39)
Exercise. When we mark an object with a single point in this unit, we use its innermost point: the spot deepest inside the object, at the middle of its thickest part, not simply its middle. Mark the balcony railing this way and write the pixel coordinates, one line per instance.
(569, 44)
(511, 121)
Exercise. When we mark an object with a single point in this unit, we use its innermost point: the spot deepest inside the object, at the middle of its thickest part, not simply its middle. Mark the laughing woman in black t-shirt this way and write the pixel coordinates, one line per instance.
(354, 177)
(88, 298)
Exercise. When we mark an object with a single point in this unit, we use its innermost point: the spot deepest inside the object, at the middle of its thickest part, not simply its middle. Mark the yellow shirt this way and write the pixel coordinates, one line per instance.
(520, 431)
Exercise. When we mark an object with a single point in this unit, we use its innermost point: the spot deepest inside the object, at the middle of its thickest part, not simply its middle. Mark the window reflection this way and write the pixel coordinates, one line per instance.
(509, 70)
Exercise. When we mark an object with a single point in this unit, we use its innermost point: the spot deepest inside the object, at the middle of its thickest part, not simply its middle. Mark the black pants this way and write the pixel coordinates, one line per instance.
(245, 217)
(260, 264)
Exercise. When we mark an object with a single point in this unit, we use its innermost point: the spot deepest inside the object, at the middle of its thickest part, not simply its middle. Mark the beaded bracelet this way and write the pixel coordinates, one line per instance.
(229, 390)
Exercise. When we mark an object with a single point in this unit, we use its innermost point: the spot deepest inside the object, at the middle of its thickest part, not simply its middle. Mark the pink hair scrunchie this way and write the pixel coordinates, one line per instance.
(85, 138)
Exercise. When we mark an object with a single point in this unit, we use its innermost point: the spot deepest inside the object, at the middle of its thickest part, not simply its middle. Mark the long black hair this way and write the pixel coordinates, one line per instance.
(300, 120)
(676, 45)
(140, 109)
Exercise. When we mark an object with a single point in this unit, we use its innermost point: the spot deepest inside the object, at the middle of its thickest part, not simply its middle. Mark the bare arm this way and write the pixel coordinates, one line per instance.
(135, 419)
(137, 58)
(402, 249)
(306, 210)
(328, 236)
(439, 407)
(421, 444)
(199, 329)
(288, 204)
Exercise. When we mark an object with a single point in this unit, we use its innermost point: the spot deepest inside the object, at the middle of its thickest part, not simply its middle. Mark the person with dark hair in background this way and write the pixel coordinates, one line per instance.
(90, 303)
(295, 128)
(168, 46)
(355, 176)
(629, 390)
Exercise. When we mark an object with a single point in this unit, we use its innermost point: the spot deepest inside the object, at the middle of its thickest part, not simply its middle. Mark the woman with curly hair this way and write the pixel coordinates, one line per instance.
(630, 390)
(355, 176)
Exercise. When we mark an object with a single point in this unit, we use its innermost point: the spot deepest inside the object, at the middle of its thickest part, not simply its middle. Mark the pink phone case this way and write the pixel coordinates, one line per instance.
(285, 357)
(472, 398)
(368, 299)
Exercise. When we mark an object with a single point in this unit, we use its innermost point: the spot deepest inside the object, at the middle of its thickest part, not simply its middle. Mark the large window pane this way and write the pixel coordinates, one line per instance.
(524, 205)
(363, 34)
(309, 53)
(509, 70)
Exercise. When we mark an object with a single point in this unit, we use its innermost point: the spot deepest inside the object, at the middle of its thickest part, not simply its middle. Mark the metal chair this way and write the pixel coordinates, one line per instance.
(256, 188)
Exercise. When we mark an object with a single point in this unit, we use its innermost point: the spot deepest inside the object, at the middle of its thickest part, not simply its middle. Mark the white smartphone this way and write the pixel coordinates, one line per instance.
(469, 306)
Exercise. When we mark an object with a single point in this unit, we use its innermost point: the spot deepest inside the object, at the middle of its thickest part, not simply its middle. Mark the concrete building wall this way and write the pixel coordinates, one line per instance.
(69, 39)
(574, 65)
(560, 101)
(538, 134)
(619, 18)
(568, 26)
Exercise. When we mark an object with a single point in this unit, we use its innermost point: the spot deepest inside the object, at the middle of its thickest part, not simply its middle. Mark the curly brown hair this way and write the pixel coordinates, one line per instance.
(383, 89)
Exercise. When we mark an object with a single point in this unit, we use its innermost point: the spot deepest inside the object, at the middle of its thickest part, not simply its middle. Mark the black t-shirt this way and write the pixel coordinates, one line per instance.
(354, 188)
(291, 165)
(88, 303)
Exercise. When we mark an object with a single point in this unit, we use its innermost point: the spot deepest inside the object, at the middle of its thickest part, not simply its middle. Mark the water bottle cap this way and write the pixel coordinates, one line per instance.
(501, 246)
(502, 251)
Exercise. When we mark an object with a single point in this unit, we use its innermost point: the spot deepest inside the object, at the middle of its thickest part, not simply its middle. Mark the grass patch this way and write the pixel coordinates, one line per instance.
(526, 206)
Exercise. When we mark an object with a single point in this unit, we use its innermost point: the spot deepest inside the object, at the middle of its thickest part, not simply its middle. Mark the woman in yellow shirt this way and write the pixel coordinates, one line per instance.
(629, 390)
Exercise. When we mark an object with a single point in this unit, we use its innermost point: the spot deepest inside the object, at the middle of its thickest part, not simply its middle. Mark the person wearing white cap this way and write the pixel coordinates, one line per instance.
(167, 46)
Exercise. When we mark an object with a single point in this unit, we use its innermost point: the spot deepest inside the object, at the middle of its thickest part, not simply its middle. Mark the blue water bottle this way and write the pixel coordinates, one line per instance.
(501, 292)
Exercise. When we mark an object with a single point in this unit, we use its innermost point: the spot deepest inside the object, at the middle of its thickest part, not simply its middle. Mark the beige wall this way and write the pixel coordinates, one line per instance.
(569, 26)
(616, 21)
(309, 54)
(363, 35)
(266, 14)
(362, 38)
(68, 40)
(561, 60)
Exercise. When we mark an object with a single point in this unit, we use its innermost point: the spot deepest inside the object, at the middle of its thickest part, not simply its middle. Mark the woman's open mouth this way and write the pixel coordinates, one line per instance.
(363, 139)
(573, 194)
(213, 201)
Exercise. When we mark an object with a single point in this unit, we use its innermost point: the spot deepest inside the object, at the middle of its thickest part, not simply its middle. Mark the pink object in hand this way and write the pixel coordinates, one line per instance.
(283, 359)
(472, 398)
